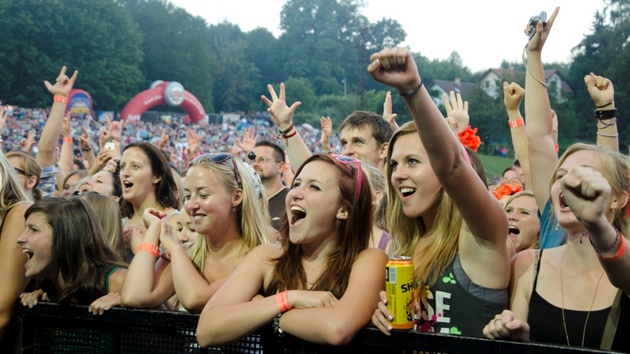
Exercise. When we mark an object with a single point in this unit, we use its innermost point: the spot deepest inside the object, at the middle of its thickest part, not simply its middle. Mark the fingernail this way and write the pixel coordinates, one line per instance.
(390, 317)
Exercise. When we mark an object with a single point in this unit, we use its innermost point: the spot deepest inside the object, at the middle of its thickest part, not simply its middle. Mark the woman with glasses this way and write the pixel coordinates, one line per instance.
(322, 282)
(440, 214)
(221, 199)
(28, 171)
(13, 203)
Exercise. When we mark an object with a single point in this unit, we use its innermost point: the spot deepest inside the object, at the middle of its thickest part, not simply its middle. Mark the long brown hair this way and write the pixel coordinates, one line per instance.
(353, 235)
(79, 249)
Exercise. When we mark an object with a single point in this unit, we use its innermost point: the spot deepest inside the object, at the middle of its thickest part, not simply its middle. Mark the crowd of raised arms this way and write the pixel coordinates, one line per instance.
(269, 228)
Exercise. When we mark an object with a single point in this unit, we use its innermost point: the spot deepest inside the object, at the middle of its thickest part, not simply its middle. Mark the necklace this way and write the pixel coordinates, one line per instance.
(564, 322)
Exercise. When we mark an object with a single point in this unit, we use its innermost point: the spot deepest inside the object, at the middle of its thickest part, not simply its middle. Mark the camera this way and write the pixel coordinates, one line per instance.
(533, 21)
(110, 145)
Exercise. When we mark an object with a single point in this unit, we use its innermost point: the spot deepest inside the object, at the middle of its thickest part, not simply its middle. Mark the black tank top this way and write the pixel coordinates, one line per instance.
(546, 322)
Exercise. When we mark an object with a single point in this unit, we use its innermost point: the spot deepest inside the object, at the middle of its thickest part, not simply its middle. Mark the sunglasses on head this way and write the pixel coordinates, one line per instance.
(348, 160)
(220, 158)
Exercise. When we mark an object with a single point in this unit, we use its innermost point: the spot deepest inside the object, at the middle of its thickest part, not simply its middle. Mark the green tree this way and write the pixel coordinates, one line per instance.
(41, 36)
(176, 48)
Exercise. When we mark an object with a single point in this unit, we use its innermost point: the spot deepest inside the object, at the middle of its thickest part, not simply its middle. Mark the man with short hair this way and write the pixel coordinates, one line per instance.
(269, 163)
(365, 135)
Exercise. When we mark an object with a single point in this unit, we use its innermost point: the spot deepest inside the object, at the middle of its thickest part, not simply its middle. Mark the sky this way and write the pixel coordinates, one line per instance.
(484, 32)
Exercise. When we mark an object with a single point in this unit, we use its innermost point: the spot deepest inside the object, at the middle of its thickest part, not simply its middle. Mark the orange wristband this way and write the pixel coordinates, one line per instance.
(147, 247)
(619, 254)
(283, 302)
(67, 139)
(516, 123)
(59, 98)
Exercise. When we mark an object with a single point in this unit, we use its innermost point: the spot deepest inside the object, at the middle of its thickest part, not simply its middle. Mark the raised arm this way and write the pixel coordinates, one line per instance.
(327, 128)
(282, 115)
(513, 95)
(481, 211)
(603, 94)
(47, 147)
(66, 156)
(541, 147)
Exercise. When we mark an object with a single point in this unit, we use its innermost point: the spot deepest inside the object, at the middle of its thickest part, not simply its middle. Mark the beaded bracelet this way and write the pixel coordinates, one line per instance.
(604, 250)
(619, 254)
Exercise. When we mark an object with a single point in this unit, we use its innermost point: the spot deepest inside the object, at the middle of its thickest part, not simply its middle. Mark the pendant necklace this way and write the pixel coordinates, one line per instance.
(564, 322)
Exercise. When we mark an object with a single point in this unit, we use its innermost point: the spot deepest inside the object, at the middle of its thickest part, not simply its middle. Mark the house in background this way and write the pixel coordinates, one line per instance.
(439, 87)
(492, 82)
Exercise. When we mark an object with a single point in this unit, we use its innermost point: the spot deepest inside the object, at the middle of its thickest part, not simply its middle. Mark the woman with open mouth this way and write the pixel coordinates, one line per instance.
(67, 249)
(440, 213)
(323, 273)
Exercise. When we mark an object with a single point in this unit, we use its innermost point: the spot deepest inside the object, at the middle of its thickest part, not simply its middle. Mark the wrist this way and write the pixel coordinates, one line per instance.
(605, 105)
(60, 98)
(285, 128)
(410, 91)
(67, 139)
(516, 123)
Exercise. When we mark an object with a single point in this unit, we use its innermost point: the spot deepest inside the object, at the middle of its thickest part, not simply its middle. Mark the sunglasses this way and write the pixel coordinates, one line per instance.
(220, 158)
(347, 160)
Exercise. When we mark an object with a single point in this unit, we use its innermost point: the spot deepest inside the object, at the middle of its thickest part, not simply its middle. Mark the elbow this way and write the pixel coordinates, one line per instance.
(130, 300)
(208, 336)
(193, 304)
(339, 335)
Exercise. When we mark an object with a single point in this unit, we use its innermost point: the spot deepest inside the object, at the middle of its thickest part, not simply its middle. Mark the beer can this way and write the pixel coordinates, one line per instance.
(399, 285)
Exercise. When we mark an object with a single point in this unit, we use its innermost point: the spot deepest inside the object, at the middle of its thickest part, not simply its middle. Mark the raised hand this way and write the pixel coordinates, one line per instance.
(456, 112)
(27, 143)
(281, 114)
(84, 140)
(163, 140)
(513, 95)
(395, 67)
(542, 32)
(248, 142)
(388, 113)
(587, 193)
(192, 150)
(66, 127)
(382, 316)
(63, 85)
(601, 90)
(114, 128)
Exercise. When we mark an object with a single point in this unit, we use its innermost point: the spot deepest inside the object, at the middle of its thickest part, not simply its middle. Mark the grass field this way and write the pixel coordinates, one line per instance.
(494, 165)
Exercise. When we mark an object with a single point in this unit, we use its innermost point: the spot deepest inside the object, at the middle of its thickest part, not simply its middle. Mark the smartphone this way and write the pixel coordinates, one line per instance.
(110, 145)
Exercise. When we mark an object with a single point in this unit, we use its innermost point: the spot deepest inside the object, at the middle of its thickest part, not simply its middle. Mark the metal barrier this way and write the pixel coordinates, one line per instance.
(53, 328)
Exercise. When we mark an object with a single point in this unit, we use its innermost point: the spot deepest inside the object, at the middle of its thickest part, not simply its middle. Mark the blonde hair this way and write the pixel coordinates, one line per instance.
(11, 191)
(614, 168)
(442, 246)
(251, 223)
(108, 212)
(377, 181)
(31, 168)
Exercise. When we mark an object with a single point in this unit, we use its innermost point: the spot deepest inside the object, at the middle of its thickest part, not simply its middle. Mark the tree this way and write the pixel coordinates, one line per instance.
(41, 36)
(176, 48)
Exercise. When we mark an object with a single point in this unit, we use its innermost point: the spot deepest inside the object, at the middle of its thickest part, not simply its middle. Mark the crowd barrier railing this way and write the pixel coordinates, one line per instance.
(53, 328)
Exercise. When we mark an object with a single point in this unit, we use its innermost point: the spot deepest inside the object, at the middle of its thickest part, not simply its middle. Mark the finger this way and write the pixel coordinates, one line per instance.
(460, 101)
(272, 92)
(551, 19)
(62, 72)
(447, 104)
(74, 76)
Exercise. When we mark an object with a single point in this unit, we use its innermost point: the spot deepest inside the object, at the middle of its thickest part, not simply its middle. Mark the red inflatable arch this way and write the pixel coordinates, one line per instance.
(164, 93)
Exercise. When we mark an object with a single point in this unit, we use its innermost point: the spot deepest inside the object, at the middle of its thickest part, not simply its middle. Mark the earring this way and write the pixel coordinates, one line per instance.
(557, 226)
